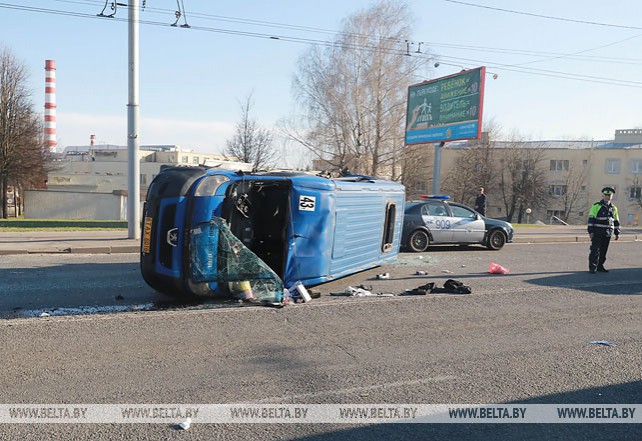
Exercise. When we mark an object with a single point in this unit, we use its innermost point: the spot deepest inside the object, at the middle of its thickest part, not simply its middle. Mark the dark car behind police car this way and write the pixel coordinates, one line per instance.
(435, 220)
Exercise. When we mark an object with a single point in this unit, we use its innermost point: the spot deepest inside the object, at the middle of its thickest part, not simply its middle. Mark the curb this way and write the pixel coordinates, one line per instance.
(582, 239)
(12, 252)
(77, 250)
(544, 239)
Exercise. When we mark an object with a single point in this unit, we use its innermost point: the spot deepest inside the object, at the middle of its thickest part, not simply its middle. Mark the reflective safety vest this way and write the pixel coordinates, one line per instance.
(603, 220)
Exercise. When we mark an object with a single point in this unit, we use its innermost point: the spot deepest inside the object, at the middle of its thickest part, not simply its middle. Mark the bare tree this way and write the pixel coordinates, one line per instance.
(353, 92)
(573, 189)
(252, 143)
(417, 171)
(22, 154)
(475, 167)
(521, 179)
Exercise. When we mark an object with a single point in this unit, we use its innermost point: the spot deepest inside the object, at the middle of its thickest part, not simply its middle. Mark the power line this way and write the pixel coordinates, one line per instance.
(551, 55)
(342, 45)
(336, 33)
(579, 52)
(549, 17)
(262, 23)
(551, 73)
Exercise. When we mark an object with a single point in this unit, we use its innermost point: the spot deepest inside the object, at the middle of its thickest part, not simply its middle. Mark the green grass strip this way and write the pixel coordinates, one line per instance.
(59, 224)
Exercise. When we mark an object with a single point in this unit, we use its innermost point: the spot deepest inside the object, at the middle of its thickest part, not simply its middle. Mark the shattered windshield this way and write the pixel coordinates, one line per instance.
(217, 255)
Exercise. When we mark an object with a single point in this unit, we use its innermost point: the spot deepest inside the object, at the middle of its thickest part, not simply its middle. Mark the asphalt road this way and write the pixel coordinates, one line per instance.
(518, 338)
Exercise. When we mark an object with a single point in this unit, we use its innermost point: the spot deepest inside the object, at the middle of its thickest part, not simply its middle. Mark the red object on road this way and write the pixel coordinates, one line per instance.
(495, 268)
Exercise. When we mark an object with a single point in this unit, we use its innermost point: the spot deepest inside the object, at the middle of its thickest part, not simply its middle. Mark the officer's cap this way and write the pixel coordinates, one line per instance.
(608, 190)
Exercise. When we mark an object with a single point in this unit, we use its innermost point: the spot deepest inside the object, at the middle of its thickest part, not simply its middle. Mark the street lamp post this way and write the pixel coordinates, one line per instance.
(133, 175)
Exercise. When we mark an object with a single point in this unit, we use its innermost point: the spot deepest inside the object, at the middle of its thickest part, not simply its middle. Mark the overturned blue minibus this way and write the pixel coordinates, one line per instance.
(304, 227)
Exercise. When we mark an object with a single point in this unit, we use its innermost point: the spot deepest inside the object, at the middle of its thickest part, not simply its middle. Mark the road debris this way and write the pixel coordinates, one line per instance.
(451, 286)
(361, 291)
(496, 268)
(602, 343)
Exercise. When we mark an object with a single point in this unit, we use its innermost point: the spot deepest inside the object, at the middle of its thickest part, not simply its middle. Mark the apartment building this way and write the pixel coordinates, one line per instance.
(582, 168)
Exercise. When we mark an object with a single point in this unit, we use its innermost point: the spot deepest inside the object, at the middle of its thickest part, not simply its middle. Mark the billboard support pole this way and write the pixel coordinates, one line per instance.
(436, 170)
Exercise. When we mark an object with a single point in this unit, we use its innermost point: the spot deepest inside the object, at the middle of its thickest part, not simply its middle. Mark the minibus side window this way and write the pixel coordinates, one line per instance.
(389, 227)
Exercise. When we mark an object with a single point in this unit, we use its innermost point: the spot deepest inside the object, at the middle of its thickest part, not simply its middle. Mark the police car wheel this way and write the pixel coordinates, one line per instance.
(419, 241)
(496, 240)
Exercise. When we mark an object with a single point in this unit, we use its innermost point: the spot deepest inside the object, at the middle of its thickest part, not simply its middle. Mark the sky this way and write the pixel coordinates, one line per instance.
(567, 69)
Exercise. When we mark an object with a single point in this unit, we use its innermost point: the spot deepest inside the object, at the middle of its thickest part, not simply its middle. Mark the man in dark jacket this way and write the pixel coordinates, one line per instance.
(603, 222)
(480, 202)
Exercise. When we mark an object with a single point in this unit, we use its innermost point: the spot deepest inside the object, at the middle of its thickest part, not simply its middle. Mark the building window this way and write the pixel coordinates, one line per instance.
(635, 193)
(580, 213)
(185, 159)
(527, 164)
(636, 166)
(559, 164)
(584, 162)
(195, 160)
(613, 166)
(557, 190)
(143, 179)
(583, 188)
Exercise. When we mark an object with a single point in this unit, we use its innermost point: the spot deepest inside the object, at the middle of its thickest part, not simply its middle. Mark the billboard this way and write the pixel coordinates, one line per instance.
(446, 109)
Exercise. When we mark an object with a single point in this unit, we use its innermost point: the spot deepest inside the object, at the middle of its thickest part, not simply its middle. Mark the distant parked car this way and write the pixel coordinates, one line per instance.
(435, 220)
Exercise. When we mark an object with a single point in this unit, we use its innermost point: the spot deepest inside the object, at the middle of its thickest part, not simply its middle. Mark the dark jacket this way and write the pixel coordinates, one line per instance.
(480, 204)
(603, 220)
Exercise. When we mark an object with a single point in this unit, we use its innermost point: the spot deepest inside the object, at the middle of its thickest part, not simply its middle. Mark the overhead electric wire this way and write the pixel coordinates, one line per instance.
(402, 52)
(553, 55)
(569, 56)
(549, 17)
(337, 33)
(552, 73)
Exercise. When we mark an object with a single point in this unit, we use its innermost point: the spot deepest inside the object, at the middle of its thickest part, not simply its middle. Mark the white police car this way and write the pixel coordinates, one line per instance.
(435, 220)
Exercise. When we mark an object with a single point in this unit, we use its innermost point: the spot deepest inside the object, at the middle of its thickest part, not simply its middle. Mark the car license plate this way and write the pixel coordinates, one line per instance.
(147, 235)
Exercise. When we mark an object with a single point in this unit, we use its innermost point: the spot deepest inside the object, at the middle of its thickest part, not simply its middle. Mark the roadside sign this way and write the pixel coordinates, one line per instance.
(446, 109)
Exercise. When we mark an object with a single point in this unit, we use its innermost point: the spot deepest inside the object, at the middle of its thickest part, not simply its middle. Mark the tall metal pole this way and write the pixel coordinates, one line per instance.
(133, 176)
(436, 171)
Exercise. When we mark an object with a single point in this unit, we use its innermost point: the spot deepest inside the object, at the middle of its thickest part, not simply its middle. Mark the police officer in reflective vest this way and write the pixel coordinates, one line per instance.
(603, 222)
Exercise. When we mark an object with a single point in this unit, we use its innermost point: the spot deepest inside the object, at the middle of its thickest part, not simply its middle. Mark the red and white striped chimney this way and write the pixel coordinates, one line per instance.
(92, 140)
(50, 105)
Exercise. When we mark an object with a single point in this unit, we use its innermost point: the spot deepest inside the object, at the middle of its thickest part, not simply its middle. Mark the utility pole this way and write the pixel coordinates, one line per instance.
(133, 176)
(436, 171)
